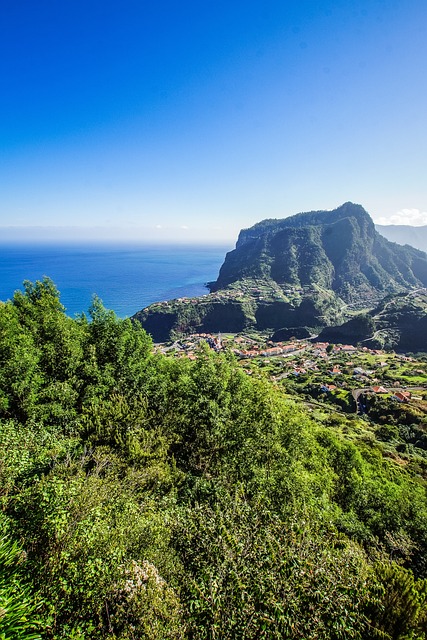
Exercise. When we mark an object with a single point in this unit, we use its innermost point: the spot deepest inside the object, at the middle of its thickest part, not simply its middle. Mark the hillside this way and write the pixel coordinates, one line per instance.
(157, 497)
(399, 323)
(251, 303)
(338, 250)
(305, 270)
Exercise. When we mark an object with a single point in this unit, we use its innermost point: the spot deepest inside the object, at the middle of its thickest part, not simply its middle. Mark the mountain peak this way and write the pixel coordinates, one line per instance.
(310, 218)
(337, 249)
(305, 270)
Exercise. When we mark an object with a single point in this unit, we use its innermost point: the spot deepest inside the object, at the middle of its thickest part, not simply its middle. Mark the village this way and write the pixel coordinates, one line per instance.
(341, 375)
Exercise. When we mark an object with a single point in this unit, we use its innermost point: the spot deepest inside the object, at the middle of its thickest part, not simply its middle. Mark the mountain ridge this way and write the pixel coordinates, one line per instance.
(398, 322)
(305, 270)
(333, 249)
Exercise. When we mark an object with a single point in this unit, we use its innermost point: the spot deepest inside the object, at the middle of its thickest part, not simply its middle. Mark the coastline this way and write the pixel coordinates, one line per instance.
(127, 277)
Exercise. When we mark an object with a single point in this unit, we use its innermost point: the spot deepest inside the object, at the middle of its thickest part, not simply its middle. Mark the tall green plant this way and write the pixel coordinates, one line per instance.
(18, 619)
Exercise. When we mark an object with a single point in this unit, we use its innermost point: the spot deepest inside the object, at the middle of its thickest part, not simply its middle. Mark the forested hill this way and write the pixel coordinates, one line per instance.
(302, 271)
(145, 496)
(399, 323)
(338, 250)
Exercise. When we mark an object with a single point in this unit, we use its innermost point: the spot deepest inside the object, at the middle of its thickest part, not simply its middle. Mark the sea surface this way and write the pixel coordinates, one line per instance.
(126, 277)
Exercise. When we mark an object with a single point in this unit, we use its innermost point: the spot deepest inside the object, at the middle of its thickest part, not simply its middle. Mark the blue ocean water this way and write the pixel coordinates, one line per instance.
(126, 277)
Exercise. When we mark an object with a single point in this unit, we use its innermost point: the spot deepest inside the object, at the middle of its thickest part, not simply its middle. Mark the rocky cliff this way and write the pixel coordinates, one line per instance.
(398, 323)
(306, 270)
(339, 250)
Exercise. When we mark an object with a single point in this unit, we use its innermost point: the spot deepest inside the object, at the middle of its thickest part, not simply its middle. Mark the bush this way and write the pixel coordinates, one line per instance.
(18, 618)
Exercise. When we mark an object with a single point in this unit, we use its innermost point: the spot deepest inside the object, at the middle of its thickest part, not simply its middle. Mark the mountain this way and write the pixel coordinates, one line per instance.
(339, 250)
(399, 323)
(305, 270)
(404, 234)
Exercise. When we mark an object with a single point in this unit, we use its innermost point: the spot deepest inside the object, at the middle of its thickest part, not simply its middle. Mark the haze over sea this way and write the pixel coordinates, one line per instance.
(126, 277)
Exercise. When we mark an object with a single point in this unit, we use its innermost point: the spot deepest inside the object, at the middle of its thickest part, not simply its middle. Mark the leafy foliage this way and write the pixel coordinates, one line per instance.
(18, 618)
(153, 497)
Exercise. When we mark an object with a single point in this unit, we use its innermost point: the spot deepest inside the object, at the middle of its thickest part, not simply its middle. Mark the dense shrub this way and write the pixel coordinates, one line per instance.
(152, 497)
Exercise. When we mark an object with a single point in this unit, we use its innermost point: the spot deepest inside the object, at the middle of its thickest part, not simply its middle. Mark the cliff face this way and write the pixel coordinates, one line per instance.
(338, 250)
(305, 270)
(234, 310)
(208, 314)
(399, 323)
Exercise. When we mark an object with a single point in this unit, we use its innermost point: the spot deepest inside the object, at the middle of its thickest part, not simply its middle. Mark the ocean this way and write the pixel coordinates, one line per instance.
(126, 277)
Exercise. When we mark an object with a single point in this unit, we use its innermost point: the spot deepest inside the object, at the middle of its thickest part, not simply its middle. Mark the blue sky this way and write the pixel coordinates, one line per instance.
(189, 120)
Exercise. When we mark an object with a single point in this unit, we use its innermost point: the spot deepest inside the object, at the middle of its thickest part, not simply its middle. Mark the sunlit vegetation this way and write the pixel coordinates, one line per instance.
(309, 271)
(151, 497)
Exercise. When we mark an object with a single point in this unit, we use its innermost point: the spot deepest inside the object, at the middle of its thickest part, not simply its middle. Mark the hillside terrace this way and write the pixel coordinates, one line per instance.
(246, 290)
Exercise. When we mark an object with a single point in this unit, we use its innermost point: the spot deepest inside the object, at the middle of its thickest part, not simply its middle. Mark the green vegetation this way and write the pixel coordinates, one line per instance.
(310, 270)
(336, 250)
(399, 322)
(17, 608)
(153, 497)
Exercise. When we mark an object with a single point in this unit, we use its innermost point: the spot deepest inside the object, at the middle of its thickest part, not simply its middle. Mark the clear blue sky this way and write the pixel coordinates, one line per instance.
(190, 120)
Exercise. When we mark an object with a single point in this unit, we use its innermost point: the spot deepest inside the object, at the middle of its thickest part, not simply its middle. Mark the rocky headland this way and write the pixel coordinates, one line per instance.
(310, 270)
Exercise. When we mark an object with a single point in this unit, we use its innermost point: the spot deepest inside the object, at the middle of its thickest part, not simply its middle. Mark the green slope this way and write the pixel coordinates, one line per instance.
(305, 270)
(146, 496)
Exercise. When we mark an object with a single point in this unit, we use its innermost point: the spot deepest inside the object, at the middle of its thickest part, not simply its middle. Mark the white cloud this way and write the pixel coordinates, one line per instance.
(412, 217)
(183, 226)
(158, 226)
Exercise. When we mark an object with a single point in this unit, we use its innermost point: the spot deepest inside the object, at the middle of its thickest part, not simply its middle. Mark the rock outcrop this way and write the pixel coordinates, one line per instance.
(307, 270)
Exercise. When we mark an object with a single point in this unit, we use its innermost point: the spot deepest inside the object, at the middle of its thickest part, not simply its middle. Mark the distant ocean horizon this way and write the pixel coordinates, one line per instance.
(127, 277)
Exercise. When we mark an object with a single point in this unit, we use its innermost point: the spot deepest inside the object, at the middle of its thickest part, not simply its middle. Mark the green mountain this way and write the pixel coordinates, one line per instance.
(305, 270)
(399, 323)
(338, 250)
